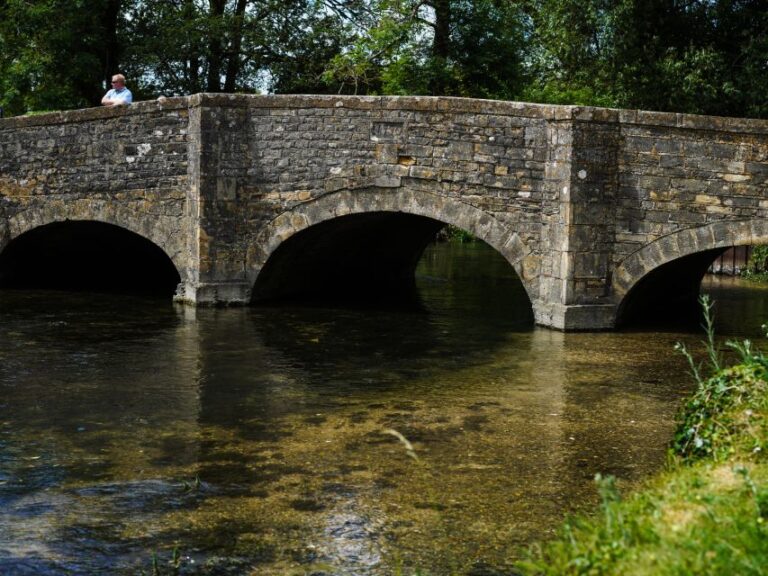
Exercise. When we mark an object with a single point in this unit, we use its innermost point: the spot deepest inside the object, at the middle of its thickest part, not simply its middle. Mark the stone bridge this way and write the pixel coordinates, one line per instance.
(256, 197)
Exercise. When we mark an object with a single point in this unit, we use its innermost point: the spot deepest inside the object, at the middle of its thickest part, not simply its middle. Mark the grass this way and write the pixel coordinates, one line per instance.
(707, 513)
(170, 567)
(756, 269)
(758, 277)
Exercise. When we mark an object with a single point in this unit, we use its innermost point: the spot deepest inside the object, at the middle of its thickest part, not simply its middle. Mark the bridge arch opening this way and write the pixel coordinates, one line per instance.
(668, 294)
(86, 255)
(369, 257)
(365, 259)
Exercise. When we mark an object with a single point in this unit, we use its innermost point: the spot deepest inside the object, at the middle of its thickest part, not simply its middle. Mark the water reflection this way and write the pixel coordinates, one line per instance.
(254, 440)
(740, 307)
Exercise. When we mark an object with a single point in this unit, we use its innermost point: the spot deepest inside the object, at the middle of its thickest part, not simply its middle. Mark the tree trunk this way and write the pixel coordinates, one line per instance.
(111, 53)
(216, 48)
(235, 58)
(193, 60)
(441, 46)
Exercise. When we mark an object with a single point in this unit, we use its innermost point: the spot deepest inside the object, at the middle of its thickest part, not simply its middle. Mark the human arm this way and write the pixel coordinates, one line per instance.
(117, 98)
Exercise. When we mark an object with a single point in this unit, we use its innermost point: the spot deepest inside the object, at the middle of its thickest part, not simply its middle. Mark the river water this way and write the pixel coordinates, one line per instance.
(286, 440)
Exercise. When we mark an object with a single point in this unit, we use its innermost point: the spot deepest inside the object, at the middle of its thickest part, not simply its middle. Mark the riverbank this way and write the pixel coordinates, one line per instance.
(707, 513)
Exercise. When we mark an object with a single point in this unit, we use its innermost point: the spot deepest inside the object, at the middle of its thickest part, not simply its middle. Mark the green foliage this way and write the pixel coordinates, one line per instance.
(757, 265)
(703, 57)
(718, 419)
(53, 53)
(229, 46)
(721, 414)
(298, 63)
(380, 39)
(589, 545)
(702, 520)
(438, 47)
(699, 57)
(559, 92)
(452, 233)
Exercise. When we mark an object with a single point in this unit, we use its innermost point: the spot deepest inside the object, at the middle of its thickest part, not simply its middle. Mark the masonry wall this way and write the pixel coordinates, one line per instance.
(635, 178)
(592, 200)
(679, 171)
(264, 156)
(126, 166)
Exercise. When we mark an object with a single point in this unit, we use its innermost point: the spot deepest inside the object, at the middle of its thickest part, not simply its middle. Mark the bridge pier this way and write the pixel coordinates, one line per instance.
(213, 294)
(575, 317)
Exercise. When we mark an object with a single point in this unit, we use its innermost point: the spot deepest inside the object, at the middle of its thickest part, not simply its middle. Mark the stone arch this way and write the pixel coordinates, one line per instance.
(143, 238)
(151, 227)
(451, 211)
(703, 240)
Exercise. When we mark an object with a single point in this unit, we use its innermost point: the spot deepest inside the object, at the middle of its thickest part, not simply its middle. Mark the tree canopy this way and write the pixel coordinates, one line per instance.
(702, 56)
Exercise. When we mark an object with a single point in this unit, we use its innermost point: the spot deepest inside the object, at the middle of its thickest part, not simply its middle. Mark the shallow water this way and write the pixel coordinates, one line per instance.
(321, 441)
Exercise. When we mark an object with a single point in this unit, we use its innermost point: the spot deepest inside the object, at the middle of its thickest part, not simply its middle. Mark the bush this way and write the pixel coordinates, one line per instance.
(757, 265)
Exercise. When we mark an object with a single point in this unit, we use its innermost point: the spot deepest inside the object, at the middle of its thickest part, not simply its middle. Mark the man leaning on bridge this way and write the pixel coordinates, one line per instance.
(119, 94)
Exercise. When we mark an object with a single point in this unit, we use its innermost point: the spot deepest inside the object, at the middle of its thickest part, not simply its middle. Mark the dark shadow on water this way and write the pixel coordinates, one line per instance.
(739, 307)
(404, 298)
(667, 297)
(87, 316)
(465, 299)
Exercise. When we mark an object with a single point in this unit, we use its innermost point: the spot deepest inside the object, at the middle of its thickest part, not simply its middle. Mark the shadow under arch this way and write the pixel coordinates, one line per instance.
(165, 232)
(86, 255)
(663, 279)
(365, 242)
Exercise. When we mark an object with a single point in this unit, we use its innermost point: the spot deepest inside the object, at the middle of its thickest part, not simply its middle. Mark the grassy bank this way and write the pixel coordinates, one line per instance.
(708, 512)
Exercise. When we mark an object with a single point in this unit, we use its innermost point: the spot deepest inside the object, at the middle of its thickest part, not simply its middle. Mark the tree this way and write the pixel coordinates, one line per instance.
(188, 46)
(56, 54)
(704, 56)
(300, 63)
(701, 56)
(441, 47)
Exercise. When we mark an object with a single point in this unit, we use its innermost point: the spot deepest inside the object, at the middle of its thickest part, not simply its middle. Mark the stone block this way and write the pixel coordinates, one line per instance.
(387, 181)
(459, 151)
(589, 265)
(386, 153)
(736, 177)
(667, 146)
(707, 200)
(718, 210)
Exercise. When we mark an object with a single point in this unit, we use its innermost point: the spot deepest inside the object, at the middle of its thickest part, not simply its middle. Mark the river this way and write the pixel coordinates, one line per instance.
(304, 440)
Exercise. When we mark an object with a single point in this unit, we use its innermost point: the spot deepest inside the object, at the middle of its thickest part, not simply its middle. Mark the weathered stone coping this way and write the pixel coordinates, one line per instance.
(410, 103)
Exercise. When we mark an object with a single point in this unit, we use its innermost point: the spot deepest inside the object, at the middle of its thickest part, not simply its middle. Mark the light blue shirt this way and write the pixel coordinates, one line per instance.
(123, 95)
